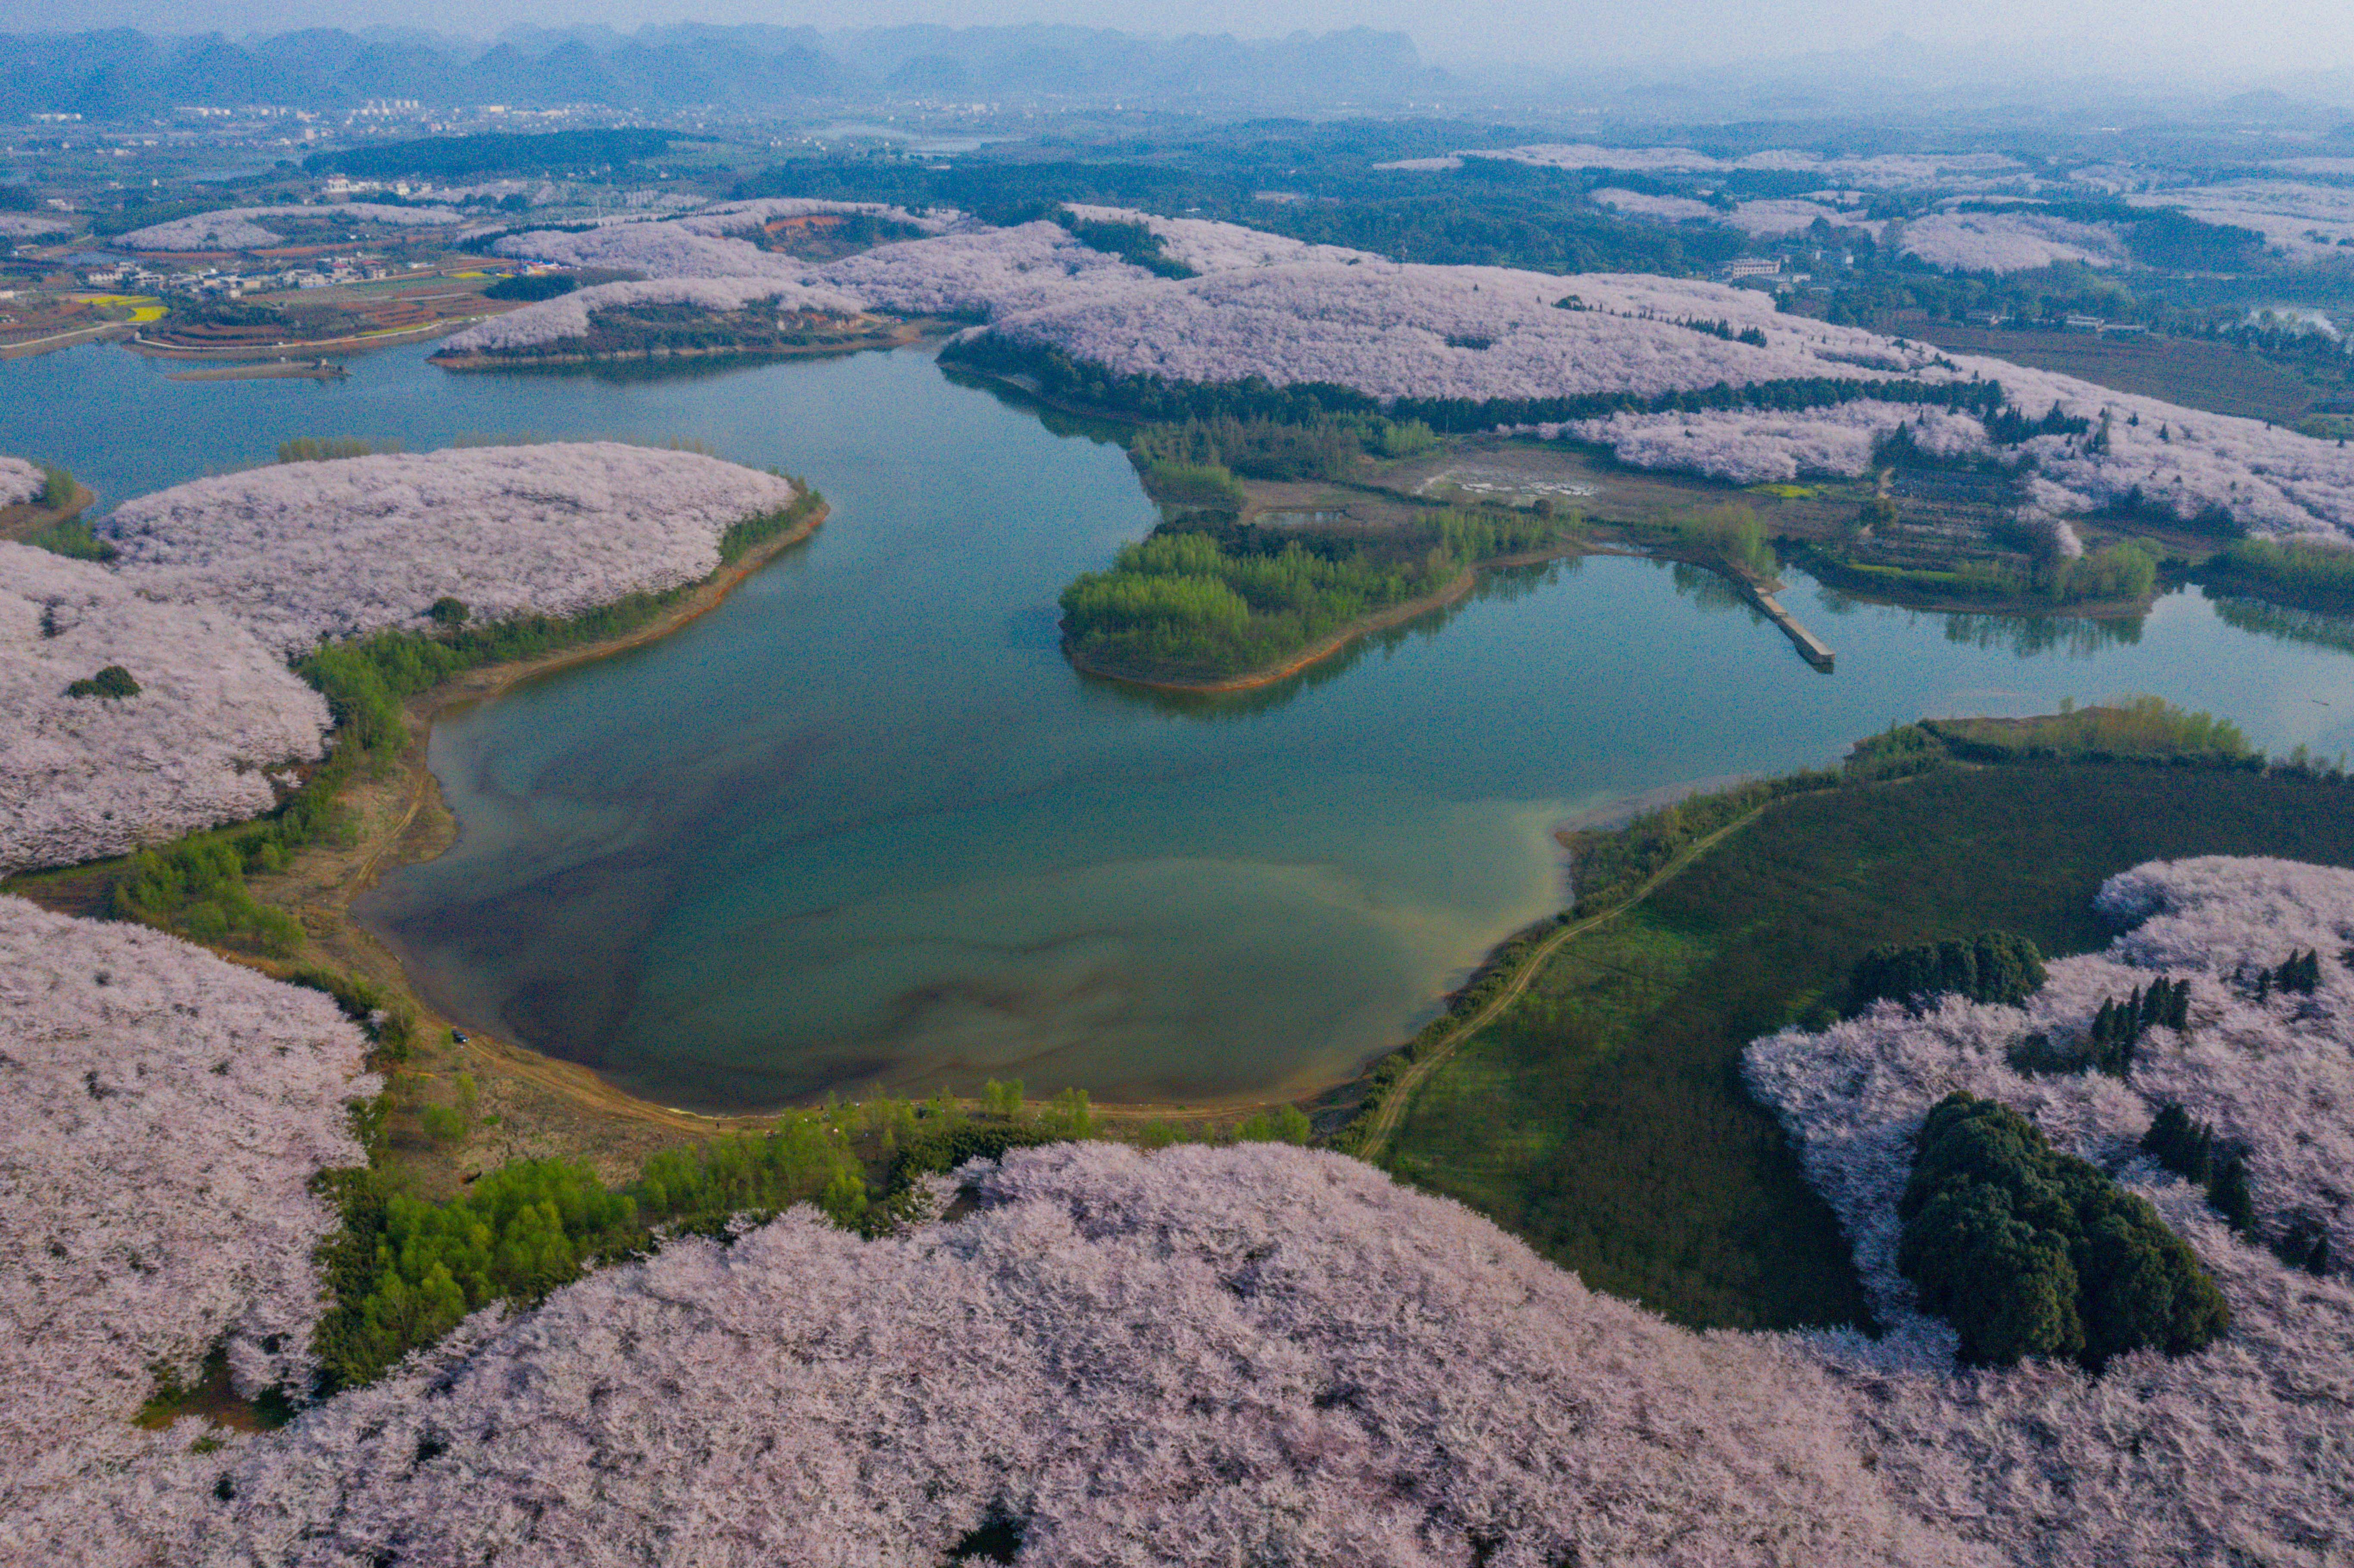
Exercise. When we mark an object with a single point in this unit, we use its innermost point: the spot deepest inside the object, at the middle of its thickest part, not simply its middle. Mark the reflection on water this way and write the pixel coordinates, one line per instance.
(2287, 623)
(2078, 637)
(2028, 636)
(863, 824)
(1711, 590)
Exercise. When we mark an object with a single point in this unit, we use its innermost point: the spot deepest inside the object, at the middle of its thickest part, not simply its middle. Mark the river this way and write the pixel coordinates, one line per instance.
(862, 826)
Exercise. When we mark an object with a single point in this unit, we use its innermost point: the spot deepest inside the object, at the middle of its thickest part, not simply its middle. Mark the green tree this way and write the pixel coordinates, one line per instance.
(2029, 1252)
(113, 681)
(2231, 1194)
(1284, 1124)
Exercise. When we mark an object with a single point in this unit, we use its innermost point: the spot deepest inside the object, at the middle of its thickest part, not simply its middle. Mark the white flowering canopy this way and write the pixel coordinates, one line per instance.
(19, 482)
(1259, 1353)
(2246, 1446)
(1277, 308)
(1771, 220)
(2302, 220)
(1670, 209)
(565, 318)
(2013, 241)
(235, 228)
(82, 778)
(734, 217)
(1394, 330)
(306, 551)
(1254, 1354)
(1208, 246)
(161, 1113)
(1750, 446)
(1888, 171)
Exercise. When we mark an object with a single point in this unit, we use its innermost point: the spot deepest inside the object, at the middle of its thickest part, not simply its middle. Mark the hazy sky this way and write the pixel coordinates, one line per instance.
(2198, 37)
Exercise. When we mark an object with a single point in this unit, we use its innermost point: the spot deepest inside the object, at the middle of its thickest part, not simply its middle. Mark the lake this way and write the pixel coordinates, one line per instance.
(862, 826)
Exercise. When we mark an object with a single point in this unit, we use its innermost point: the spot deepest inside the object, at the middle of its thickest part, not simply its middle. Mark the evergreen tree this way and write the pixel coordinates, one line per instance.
(2182, 1146)
(2031, 1252)
(2229, 1193)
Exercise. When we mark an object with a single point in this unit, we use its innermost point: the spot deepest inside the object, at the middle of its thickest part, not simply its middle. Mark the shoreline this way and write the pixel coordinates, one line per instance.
(402, 819)
(21, 522)
(310, 348)
(1868, 588)
(283, 369)
(898, 337)
(424, 830)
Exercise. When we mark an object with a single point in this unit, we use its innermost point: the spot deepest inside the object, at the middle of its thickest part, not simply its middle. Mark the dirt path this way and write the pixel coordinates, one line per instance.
(1393, 1108)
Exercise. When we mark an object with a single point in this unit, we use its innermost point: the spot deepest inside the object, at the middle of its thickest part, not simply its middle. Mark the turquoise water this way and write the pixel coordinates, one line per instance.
(860, 825)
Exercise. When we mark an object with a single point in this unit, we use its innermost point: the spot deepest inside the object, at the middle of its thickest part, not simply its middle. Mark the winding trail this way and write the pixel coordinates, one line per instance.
(1385, 1121)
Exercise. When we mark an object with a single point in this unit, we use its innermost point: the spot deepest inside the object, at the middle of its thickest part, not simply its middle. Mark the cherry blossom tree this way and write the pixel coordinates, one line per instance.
(165, 1112)
(1258, 1354)
(2016, 242)
(235, 228)
(1750, 446)
(19, 482)
(85, 777)
(567, 317)
(1669, 209)
(2243, 1447)
(300, 552)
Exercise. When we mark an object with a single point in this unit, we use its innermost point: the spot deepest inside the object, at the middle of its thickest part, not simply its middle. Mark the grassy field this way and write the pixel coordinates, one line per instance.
(2215, 376)
(1602, 1116)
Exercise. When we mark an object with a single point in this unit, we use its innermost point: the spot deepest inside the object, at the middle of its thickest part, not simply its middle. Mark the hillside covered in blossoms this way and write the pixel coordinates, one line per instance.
(519, 962)
(81, 776)
(165, 1114)
(213, 586)
(1269, 1353)
(311, 550)
(1260, 307)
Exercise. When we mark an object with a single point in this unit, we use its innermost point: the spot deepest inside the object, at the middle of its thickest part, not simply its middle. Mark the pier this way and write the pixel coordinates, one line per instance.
(1811, 647)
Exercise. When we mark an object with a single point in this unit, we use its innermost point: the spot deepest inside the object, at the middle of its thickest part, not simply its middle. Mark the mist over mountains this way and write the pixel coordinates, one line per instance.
(121, 72)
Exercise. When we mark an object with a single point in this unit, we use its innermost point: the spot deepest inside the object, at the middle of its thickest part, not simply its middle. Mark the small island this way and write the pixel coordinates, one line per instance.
(665, 330)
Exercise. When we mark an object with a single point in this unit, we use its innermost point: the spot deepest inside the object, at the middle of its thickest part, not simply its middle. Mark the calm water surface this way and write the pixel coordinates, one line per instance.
(861, 825)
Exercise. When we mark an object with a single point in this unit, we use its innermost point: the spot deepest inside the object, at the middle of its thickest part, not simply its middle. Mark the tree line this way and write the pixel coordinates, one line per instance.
(1153, 399)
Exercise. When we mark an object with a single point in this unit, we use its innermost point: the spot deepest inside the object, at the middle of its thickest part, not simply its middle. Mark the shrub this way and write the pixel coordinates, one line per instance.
(2230, 1194)
(113, 681)
(2304, 1244)
(2297, 565)
(331, 448)
(75, 541)
(403, 1270)
(2132, 730)
(1732, 532)
(2110, 1041)
(1211, 485)
(2033, 1253)
(1284, 1124)
(57, 487)
(1001, 1099)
